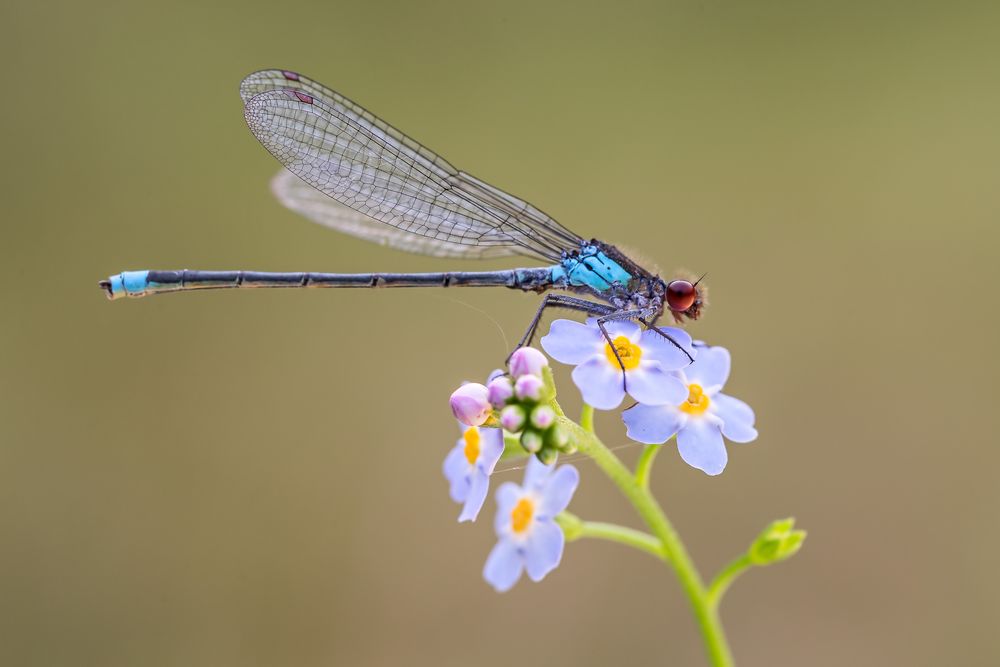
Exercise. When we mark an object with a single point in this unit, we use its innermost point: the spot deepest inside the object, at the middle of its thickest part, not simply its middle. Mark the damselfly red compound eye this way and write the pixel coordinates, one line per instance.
(681, 295)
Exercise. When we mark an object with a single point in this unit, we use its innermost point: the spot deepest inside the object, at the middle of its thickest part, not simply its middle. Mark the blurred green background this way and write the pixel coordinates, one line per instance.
(254, 478)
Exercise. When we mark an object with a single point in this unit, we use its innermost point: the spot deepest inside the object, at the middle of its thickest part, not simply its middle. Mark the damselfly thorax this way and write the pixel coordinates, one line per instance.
(349, 170)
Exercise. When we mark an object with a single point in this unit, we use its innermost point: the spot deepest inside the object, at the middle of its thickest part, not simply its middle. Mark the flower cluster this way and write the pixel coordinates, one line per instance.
(524, 406)
(677, 383)
(528, 537)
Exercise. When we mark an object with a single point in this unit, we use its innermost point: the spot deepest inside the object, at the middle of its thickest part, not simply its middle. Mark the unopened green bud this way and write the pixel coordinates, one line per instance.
(776, 543)
(547, 455)
(531, 441)
(558, 438)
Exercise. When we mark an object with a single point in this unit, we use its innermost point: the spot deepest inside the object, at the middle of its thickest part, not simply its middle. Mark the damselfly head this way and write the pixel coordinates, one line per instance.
(683, 298)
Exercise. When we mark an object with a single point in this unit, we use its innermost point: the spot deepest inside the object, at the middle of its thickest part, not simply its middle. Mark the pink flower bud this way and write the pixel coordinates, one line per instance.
(512, 418)
(470, 404)
(542, 417)
(527, 361)
(529, 387)
(500, 389)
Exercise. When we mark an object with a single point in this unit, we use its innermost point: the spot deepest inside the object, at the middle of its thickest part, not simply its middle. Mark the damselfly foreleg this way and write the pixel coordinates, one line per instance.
(653, 327)
(559, 301)
(617, 316)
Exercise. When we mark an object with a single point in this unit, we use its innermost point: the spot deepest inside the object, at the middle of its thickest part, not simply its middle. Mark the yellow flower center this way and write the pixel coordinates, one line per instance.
(697, 402)
(629, 354)
(471, 437)
(520, 517)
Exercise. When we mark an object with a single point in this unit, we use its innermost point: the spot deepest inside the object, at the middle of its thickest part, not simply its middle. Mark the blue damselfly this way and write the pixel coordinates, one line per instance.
(347, 169)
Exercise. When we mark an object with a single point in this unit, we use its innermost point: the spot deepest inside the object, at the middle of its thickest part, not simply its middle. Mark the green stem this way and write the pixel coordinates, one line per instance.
(587, 418)
(726, 577)
(645, 504)
(645, 465)
(575, 529)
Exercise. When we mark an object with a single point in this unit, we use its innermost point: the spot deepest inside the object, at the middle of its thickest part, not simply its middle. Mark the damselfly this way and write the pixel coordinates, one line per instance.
(353, 172)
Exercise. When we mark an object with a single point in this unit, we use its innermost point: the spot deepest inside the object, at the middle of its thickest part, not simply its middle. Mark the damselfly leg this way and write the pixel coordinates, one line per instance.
(664, 334)
(618, 316)
(559, 301)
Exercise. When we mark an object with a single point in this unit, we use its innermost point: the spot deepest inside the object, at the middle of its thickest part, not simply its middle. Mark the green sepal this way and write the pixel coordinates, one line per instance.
(549, 388)
(777, 542)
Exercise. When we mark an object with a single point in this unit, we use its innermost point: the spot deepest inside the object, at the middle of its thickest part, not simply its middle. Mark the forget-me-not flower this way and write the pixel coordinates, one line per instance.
(528, 536)
(700, 420)
(469, 465)
(648, 359)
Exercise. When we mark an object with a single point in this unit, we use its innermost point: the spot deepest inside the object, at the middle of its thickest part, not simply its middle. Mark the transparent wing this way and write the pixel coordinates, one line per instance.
(307, 201)
(348, 154)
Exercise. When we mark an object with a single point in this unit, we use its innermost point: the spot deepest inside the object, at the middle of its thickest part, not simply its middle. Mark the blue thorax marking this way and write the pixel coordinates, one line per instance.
(590, 268)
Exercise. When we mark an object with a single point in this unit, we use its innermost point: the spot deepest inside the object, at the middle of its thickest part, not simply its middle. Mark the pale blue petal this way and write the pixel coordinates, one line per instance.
(536, 474)
(737, 418)
(600, 383)
(490, 449)
(543, 549)
(652, 424)
(507, 496)
(739, 432)
(503, 566)
(476, 497)
(711, 368)
(728, 407)
(626, 328)
(701, 446)
(456, 471)
(571, 342)
(651, 385)
(657, 348)
(558, 491)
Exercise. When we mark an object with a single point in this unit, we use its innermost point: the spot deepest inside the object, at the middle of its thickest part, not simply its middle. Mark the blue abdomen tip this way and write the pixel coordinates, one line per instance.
(126, 283)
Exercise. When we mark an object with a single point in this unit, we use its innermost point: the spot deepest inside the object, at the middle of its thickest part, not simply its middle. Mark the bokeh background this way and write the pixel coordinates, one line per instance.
(254, 478)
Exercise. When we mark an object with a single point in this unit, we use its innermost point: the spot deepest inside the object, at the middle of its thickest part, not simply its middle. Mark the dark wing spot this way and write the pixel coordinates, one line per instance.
(291, 76)
(300, 96)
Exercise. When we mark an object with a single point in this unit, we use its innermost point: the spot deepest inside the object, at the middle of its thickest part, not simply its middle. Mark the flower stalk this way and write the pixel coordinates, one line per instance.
(645, 465)
(575, 528)
(706, 613)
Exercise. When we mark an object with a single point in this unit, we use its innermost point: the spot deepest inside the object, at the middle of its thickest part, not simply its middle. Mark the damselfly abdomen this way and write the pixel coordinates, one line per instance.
(355, 173)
